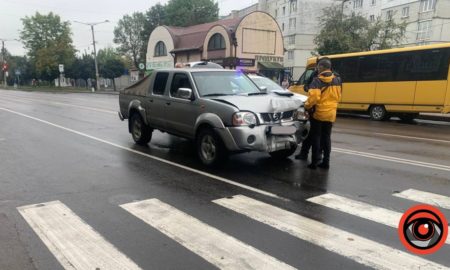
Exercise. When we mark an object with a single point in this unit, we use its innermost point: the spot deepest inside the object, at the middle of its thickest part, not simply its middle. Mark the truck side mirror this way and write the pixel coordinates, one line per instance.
(185, 93)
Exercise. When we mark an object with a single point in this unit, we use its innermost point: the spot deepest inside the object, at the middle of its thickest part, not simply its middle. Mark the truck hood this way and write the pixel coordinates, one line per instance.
(261, 104)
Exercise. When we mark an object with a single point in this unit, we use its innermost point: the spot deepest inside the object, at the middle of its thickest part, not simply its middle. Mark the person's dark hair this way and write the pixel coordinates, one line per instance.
(324, 63)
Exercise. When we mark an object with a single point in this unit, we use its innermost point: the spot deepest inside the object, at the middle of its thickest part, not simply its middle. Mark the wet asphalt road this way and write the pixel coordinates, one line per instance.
(74, 149)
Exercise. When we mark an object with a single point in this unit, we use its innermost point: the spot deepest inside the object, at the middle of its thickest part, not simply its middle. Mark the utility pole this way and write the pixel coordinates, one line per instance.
(97, 82)
(3, 61)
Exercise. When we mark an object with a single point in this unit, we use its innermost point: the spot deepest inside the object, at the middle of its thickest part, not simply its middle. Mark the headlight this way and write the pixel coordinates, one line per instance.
(244, 119)
(302, 114)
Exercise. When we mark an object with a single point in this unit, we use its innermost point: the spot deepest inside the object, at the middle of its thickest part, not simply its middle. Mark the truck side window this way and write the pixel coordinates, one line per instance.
(179, 80)
(160, 83)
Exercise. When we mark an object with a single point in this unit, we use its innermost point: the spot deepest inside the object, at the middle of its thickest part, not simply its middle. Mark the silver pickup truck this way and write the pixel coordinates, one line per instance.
(223, 111)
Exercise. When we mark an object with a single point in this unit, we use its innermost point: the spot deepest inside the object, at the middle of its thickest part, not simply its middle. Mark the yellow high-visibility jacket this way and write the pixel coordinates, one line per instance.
(324, 96)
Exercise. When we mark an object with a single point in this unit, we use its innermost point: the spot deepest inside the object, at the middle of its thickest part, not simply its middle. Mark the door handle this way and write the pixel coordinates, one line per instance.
(151, 100)
(167, 103)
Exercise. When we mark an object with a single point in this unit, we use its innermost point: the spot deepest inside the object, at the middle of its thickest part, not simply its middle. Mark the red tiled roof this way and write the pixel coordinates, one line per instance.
(192, 37)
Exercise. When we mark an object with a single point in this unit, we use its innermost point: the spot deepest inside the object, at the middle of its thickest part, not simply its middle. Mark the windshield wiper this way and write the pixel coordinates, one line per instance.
(257, 93)
(217, 94)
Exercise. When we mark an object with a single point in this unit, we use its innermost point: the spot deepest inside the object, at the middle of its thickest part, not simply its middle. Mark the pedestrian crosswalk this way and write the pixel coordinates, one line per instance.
(76, 245)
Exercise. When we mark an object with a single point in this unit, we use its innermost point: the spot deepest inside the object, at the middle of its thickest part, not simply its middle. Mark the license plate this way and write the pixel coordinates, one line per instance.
(283, 130)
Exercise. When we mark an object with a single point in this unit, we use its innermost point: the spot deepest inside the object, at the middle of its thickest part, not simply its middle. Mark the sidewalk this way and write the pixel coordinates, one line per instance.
(83, 91)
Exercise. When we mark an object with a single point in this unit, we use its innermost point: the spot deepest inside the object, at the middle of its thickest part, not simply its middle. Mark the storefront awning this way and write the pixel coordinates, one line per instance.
(271, 65)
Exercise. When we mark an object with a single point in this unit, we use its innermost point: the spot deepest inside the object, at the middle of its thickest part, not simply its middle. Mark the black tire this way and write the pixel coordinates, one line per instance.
(141, 133)
(210, 148)
(408, 117)
(378, 113)
(283, 154)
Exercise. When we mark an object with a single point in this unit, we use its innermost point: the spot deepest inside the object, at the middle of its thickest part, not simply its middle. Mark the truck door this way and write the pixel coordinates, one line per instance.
(156, 101)
(181, 112)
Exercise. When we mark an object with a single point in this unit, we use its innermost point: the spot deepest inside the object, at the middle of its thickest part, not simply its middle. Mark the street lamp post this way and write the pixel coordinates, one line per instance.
(97, 83)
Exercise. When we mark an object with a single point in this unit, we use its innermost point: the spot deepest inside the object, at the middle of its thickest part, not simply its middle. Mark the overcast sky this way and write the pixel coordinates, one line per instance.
(11, 11)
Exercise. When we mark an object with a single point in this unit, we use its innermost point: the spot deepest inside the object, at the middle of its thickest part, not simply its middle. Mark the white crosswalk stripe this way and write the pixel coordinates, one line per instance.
(73, 242)
(425, 197)
(357, 248)
(213, 245)
(360, 209)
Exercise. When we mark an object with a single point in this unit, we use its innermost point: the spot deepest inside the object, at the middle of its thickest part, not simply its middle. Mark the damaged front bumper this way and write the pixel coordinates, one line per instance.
(264, 138)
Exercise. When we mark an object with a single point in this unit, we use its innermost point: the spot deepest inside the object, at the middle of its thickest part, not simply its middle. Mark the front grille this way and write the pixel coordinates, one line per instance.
(276, 117)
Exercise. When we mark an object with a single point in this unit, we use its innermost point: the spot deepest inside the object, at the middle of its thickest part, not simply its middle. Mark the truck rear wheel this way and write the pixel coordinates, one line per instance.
(210, 148)
(141, 133)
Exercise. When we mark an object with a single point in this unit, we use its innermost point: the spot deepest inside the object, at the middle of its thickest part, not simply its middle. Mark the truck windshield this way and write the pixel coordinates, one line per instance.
(223, 83)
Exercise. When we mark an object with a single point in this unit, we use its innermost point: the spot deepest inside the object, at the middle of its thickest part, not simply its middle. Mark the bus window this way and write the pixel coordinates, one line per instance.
(388, 67)
(368, 68)
(347, 68)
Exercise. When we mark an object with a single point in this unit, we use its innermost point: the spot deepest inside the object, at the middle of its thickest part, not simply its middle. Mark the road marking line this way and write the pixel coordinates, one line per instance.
(412, 137)
(218, 248)
(352, 246)
(392, 159)
(59, 103)
(209, 175)
(74, 243)
(425, 197)
(360, 209)
(358, 132)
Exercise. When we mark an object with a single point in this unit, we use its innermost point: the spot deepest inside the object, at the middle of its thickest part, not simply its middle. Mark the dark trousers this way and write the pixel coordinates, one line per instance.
(306, 145)
(320, 140)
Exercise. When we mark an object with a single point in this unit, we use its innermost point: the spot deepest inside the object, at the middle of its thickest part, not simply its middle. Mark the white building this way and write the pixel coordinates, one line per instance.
(427, 21)
(299, 21)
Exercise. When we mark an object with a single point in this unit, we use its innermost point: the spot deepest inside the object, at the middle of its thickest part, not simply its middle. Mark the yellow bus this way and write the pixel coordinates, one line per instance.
(396, 82)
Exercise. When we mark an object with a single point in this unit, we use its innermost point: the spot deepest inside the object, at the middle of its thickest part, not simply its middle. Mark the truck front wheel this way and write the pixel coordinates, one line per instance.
(141, 133)
(210, 148)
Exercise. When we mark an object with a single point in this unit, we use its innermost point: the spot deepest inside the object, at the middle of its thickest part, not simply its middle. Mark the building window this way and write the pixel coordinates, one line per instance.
(293, 6)
(374, 2)
(372, 18)
(405, 12)
(276, 12)
(389, 15)
(216, 42)
(426, 5)
(160, 49)
(292, 23)
(358, 4)
(282, 27)
(284, 10)
(291, 40)
(290, 55)
(424, 30)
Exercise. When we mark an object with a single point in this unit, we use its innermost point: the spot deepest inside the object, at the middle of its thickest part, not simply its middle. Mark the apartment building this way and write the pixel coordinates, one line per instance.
(427, 21)
(299, 22)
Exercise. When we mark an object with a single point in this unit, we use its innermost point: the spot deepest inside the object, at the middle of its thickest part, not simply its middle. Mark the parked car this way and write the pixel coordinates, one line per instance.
(223, 111)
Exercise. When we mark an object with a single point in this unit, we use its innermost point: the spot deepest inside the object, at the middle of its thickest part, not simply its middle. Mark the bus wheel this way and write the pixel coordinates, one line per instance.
(378, 113)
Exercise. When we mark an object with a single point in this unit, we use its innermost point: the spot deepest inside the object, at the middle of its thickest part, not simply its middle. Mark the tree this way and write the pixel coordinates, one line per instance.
(49, 43)
(111, 65)
(191, 12)
(342, 33)
(129, 34)
(81, 68)
(154, 17)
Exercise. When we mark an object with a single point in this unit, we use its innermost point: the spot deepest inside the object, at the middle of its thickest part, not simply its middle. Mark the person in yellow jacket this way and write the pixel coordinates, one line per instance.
(324, 95)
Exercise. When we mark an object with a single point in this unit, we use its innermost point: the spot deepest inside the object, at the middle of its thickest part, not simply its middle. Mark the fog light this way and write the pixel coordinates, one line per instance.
(251, 139)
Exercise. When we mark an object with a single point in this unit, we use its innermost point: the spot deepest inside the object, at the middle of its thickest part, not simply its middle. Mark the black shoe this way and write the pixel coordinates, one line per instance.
(312, 166)
(301, 156)
(325, 166)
